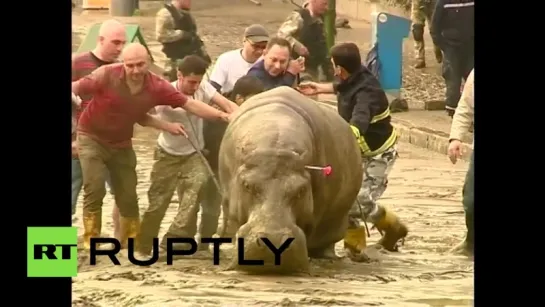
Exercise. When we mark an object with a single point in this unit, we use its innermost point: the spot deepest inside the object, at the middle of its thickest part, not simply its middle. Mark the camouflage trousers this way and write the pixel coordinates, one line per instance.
(171, 67)
(184, 174)
(319, 73)
(421, 11)
(375, 180)
(311, 74)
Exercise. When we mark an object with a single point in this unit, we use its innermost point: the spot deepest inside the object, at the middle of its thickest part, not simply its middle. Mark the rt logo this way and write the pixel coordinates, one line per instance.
(52, 252)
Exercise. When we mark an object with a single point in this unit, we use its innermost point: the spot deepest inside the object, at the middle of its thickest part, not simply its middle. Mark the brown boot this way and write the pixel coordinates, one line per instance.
(130, 228)
(92, 224)
(420, 64)
(393, 230)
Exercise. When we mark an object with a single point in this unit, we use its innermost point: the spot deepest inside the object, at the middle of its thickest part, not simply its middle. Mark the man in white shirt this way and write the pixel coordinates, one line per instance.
(232, 65)
(461, 121)
(178, 166)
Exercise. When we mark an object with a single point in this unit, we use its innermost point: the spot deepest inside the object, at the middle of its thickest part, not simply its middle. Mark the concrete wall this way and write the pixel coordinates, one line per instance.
(362, 9)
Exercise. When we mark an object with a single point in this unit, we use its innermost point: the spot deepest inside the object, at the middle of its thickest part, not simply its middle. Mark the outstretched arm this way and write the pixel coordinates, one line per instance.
(89, 84)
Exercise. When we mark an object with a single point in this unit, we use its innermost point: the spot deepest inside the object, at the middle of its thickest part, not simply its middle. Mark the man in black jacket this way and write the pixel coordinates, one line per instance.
(452, 29)
(362, 102)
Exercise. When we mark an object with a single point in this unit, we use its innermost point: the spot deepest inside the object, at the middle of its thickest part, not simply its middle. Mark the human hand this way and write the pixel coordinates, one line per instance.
(296, 66)
(308, 88)
(303, 51)
(232, 107)
(176, 129)
(226, 117)
(454, 151)
(301, 61)
(74, 149)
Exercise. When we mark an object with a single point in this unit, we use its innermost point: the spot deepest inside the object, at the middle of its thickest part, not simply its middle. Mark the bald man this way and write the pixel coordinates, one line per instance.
(111, 39)
(122, 95)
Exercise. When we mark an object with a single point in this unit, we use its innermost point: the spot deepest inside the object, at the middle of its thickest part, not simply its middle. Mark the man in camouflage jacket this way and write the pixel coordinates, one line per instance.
(304, 29)
(176, 30)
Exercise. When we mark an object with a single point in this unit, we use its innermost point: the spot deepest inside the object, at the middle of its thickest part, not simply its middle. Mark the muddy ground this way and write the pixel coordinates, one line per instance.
(425, 190)
(222, 22)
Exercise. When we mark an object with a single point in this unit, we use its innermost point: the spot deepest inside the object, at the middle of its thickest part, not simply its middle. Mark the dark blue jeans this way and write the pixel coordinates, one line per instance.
(77, 183)
(457, 64)
(468, 200)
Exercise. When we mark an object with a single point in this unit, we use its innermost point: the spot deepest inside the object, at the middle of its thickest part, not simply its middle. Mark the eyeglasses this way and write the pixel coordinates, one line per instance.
(258, 46)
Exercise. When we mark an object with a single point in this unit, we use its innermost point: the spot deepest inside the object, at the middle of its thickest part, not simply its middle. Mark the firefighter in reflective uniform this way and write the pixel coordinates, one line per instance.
(176, 30)
(363, 103)
(422, 11)
(304, 29)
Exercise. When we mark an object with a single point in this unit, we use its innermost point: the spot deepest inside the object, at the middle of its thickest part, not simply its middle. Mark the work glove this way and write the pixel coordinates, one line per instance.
(359, 138)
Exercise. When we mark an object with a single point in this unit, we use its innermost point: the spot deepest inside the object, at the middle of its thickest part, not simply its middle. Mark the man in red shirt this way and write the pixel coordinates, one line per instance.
(111, 39)
(122, 96)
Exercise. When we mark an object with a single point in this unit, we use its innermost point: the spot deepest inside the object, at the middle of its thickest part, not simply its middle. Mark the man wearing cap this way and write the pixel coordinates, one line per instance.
(232, 65)
(304, 29)
(176, 30)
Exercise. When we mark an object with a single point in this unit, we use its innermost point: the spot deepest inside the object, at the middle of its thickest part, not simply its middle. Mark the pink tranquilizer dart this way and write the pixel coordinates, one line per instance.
(326, 171)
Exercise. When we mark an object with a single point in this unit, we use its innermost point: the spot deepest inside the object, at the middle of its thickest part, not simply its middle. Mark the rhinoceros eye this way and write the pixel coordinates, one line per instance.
(247, 186)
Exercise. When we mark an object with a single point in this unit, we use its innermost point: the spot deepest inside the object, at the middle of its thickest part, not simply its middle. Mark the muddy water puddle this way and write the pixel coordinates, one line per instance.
(425, 190)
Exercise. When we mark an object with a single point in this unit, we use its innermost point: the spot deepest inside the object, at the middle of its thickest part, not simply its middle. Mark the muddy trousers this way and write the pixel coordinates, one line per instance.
(184, 174)
(422, 11)
(420, 48)
(77, 183)
(171, 67)
(468, 200)
(317, 72)
(457, 64)
(210, 208)
(375, 180)
(96, 162)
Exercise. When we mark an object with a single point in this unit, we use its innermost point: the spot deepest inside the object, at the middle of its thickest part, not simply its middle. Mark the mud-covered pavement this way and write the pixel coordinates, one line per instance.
(425, 190)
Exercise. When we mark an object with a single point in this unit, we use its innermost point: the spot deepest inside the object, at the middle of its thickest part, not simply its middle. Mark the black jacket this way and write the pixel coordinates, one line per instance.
(453, 23)
(359, 99)
(190, 43)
